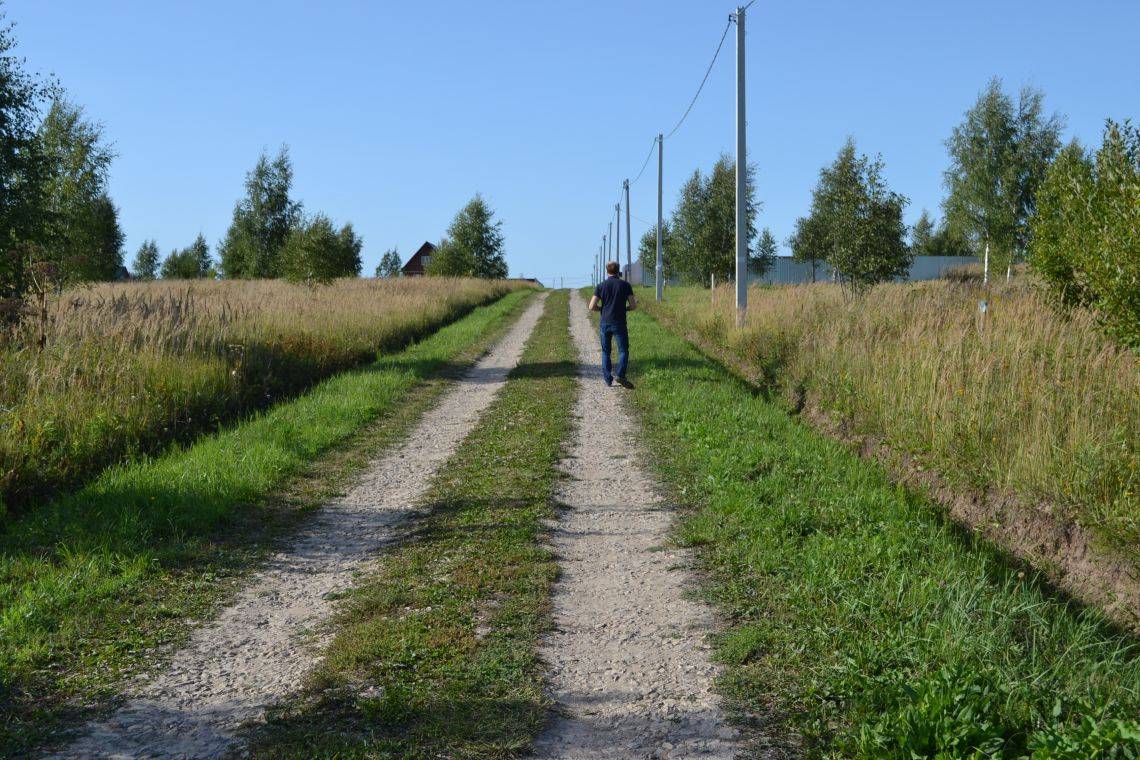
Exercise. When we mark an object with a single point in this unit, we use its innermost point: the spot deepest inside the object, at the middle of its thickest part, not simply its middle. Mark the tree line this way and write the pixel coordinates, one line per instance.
(1013, 194)
(57, 221)
(270, 236)
(698, 239)
(59, 226)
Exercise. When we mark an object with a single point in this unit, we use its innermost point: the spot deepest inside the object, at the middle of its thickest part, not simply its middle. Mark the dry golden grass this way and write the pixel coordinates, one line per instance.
(130, 367)
(1029, 401)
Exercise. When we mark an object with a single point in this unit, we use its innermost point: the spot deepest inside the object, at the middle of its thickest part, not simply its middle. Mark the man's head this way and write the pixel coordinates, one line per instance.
(612, 268)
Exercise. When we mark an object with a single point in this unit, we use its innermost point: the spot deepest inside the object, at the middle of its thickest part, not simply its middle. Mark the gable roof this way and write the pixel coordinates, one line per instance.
(415, 264)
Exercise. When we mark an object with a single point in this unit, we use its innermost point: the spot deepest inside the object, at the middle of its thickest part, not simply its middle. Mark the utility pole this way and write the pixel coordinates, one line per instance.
(741, 179)
(610, 245)
(628, 240)
(660, 274)
(986, 267)
(617, 212)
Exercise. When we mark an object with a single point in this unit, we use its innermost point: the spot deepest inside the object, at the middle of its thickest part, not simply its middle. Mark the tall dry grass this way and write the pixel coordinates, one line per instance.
(131, 367)
(1028, 401)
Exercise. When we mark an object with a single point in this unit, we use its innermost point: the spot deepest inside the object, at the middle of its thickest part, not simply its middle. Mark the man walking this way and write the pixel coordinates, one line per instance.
(614, 297)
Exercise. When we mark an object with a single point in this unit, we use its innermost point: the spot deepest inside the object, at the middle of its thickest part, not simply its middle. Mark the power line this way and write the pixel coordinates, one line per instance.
(723, 37)
(652, 145)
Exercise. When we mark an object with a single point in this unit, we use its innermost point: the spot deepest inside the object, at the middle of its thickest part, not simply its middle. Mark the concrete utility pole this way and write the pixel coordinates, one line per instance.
(660, 274)
(741, 179)
(609, 246)
(617, 212)
(628, 243)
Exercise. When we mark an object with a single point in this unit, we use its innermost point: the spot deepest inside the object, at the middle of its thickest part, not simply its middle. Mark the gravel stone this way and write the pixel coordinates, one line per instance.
(628, 662)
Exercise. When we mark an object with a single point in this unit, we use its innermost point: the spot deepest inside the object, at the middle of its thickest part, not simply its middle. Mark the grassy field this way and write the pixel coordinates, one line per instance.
(91, 583)
(435, 655)
(859, 617)
(1034, 404)
(129, 368)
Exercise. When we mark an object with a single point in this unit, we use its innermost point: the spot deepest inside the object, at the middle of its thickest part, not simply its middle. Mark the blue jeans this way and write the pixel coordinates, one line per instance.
(608, 332)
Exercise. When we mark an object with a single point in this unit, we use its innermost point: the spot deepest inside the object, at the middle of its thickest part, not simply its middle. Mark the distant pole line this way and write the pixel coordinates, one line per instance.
(617, 213)
(741, 178)
(628, 240)
(658, 142)
(659, 274)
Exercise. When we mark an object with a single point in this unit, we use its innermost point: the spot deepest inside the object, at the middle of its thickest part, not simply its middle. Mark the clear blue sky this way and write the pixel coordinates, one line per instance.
(396, 113)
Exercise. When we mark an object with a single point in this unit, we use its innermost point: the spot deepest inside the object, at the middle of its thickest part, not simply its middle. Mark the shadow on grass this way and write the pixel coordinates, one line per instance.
(406, 725)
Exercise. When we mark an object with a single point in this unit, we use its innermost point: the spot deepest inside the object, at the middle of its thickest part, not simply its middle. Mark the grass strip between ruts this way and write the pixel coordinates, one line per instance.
(860, 618)
(91, 584)
(435, 656)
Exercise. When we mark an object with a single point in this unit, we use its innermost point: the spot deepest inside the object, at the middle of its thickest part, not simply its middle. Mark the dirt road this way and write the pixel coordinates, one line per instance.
(629, 663)
(256, 651)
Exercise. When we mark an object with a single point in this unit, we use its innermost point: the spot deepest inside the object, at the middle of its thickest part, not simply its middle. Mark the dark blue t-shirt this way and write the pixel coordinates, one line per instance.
(613, 292)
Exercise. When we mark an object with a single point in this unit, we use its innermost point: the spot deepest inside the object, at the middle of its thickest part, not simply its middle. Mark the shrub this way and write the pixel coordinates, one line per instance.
(1085, 243)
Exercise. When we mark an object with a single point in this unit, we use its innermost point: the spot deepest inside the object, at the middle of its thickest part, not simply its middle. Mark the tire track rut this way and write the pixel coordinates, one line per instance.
(256, 652)
(629, 665)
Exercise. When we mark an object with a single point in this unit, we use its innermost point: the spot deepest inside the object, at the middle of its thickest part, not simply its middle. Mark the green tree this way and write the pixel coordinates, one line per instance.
(390, 264)
(200, 252)
(180, 265)
(83, 238)
(647, 247)
(948, 241)
(998, 157)
(766, 251)
(450, 260)
(145, 265)
(190, 263)
(704, 223)
(349, 246)
(317, 253)
(22, 222)
(922, 234)
(107, 240)
(1084, 240)
(927, 239)
(809, 242)
(474, 245)
(858, 221)
(262, 220)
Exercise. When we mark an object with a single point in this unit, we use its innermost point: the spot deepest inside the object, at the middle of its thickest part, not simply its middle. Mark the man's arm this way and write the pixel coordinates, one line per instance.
(595, 304)
(631, 303)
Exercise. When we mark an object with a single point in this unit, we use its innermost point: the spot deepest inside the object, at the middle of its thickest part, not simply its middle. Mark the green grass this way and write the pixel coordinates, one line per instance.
(859, 618)
(1037, 405)
(90, 584)
(435, 656)
(132, 368)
